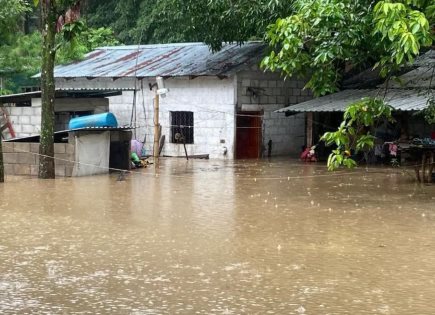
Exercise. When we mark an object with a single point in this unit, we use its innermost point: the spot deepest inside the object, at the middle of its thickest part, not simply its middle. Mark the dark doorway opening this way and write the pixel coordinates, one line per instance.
(248, 135)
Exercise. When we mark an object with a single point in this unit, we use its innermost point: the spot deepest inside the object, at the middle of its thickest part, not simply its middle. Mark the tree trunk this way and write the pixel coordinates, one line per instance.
(46, 147)
(2, 169)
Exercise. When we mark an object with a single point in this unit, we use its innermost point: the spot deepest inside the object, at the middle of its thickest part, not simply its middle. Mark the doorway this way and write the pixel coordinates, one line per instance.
(248, 135)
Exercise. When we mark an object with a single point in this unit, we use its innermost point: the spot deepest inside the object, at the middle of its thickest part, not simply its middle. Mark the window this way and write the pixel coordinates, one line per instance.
(182, 127)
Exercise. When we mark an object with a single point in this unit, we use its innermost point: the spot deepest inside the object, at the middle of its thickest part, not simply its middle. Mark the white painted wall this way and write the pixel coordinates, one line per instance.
(272, 92)
(214, 103)
(211, 99)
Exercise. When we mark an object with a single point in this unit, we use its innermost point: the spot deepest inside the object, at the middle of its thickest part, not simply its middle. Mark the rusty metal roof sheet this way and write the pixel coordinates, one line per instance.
(399, 99)
(168, 60)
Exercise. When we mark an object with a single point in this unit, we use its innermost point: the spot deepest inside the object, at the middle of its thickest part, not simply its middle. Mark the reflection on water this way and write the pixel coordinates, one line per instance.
(206, 237)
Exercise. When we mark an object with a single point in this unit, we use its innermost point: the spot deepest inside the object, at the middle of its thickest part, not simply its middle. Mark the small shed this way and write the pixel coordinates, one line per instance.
(78, 152)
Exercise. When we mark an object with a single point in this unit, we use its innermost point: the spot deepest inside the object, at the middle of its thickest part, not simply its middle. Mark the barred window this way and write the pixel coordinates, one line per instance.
(182, 127)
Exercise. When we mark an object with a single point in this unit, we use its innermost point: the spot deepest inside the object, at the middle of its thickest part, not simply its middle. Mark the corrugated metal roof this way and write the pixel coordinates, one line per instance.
(168, 60)
(426, 59)
(399, 99)
(419, 78)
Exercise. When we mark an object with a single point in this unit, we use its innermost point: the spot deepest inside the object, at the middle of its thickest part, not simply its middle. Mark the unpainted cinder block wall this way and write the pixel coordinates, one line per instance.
(21, 158)
(26, 121)
(267, 92)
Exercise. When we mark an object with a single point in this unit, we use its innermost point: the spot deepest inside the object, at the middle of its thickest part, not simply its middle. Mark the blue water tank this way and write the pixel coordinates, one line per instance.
(97, 120)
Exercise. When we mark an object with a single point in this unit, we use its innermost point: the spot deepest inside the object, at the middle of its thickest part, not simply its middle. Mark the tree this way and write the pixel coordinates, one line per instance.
(10, 14)
(213, 21)
(10, 11)
(60, 28)
(54, 14)
(324, 38)
(353, 135)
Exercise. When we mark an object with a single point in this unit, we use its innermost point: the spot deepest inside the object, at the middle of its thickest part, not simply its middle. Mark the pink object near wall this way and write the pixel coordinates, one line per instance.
(136, 147)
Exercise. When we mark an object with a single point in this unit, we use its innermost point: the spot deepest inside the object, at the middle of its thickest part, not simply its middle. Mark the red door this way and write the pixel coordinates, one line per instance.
(248, 135)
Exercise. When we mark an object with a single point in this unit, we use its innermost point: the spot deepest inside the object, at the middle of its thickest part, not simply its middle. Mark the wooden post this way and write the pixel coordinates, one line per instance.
(156, 127)
(309, 130)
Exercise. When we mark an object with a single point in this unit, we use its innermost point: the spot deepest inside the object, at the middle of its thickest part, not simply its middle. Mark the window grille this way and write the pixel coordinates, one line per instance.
(182, 127)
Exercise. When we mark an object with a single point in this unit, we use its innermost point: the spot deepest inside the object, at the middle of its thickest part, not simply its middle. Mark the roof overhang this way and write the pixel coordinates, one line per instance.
(63, 134)
(64, 93)
(399, 99)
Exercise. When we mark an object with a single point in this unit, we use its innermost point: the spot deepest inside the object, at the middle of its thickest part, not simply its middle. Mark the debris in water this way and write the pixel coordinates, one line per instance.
(122, 175)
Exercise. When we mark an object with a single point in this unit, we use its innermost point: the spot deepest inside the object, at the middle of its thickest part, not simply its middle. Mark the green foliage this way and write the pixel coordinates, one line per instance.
(76, 39)
(23, 54)
(429, 111)
(404, 29)
(162, 21)
(11, 12)
(353, 135)
(319, 38)
(323, 36)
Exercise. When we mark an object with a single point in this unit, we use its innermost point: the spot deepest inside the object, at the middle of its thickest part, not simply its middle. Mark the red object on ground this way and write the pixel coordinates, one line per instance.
(433, 135)
(308, 156)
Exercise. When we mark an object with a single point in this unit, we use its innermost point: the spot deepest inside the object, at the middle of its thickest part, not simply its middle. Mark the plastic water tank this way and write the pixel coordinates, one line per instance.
(97, 120)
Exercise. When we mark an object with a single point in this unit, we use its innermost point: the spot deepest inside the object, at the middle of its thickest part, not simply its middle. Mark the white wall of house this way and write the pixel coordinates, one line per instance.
(211, 100)
(267, 92)
(214, 103)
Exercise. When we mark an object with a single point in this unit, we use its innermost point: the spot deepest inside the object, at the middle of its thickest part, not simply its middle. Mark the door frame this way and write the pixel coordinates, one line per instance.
(260, 115)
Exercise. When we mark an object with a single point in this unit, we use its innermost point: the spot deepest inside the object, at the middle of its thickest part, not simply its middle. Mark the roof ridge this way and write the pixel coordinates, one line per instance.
(128, 47)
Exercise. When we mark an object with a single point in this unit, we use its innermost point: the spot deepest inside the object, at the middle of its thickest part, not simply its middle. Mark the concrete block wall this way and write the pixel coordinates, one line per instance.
(21, 158)
(26, 121)
(267, 92)
(98, 105)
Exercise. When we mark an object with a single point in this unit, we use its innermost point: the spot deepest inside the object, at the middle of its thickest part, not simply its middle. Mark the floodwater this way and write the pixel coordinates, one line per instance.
(206, 237)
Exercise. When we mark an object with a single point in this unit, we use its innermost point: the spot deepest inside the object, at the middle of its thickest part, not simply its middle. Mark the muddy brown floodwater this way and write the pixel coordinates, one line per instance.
(206, 237)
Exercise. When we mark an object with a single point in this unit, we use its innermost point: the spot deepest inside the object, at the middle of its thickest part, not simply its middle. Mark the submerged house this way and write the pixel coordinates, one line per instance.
(221, 103)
